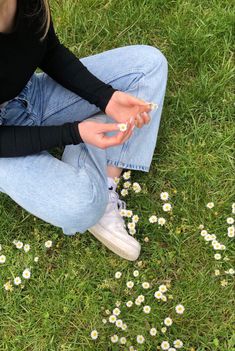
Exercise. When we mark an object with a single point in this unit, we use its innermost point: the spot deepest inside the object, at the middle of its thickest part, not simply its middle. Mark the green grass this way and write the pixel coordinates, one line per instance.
(73, 282)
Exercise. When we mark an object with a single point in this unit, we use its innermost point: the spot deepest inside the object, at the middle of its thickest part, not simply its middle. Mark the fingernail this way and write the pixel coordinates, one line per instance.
(131, 119)
(132, 127)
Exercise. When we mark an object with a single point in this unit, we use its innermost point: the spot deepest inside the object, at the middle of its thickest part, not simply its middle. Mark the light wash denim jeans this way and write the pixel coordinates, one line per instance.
(72, 193)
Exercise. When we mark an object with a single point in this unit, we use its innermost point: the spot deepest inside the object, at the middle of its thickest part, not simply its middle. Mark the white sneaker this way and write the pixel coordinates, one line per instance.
(110, 229)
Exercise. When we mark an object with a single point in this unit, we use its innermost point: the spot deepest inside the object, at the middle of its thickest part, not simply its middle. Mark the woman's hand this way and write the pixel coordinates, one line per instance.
(92, 132)
(122, 106)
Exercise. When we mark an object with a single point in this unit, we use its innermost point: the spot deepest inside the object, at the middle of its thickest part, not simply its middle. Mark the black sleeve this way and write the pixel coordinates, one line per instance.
(65, 68)
(27, 140)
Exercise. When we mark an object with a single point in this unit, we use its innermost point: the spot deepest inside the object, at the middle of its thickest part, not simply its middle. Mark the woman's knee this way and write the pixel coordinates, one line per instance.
(152, 57)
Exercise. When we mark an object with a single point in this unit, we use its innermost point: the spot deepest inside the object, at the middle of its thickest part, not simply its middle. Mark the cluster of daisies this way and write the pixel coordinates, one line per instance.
(26, 274)
(114, 316)
(217, 245)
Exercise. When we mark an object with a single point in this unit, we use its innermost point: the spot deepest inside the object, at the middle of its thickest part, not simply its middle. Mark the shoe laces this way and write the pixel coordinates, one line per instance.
(117, 204)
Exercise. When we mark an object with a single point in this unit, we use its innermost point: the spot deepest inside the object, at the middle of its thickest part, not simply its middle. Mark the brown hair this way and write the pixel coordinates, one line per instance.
(42, 10)
(46, 18)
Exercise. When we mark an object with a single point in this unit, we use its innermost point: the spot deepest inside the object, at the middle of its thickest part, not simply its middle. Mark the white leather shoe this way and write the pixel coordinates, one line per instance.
(110, 230)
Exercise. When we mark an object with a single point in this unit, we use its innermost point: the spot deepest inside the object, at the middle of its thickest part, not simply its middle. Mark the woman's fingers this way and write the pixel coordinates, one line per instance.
(116, 139)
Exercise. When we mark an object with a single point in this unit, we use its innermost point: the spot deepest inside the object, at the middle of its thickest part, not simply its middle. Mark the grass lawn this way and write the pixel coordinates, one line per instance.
(73, 283)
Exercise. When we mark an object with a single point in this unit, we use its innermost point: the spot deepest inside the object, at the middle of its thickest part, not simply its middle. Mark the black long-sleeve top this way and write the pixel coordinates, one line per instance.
(21, 52)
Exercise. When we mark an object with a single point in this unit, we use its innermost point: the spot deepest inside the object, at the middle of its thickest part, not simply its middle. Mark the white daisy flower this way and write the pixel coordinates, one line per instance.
(8, 286)
(164, 298)
(153, 331)
(207, 237)
(26, 273)
(118, 303)
(2, 259)
(122, 212)
(158, 294)
(48, 243)
(118, 323)
(204, 232)
(168, 321)
(161, 221)
(217, 256)
(231, 271)
(124, 326)
(135, 218)
(140, 339)
(166, 207)
(178, 343)
(19, 245)
(122, 126)
(118, 275)
(141, 298)
(104, 320)
(222, 247)
(127, 184)
(163, 330)
(124, 192)
(132, 231)
(130, 284)
(210, 205)
(107, 312)
(217, 272)
(153, 219)
(146, 239)
(136, 187)
(146, 309)
(116, 311)
(153, 106)
(131, 348)
(36, 259)
(165, 345)
(171, 349)
(129, 213)
(137, 302)
(162, 288)
(231, 233)
(26, 247)
(122, 340)
(201, 226)
(126, 175)
(94, 334)
(224, 282)
(116, 180)
(131, 225)
(145, 285)
(216, 246)
(129, 303)
(112, 318)
(17, 280)
(230, 220)
(136, 273)
(164, 195)
(179, 309)
(114, 338)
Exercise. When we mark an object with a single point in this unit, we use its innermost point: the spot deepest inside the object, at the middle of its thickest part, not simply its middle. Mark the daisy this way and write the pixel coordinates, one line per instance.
(122, 126)
(168, 321)
(163, 330)
(26, 247)
(233, 208)
(135, 218)
(164, 195)
(132, 231)
(146, 239)
(107, 312)
(116, 311)
(36, 259)
(145, 285)
(127, 184)
(153, 106)
(223, 282)
(129, 303)
(19, 245)
(8, 286)
(114, 338)
(146, 309)
(210, 205)
(141, 298)
(137, 302)
(231, 271)
(17, 281)
(123, 212)
(94, 334)
(153, 331)
(118, 303)
(104, 320)
(116, 180)
(204, 232)
(131, 225)
(179, 309)
(124, 326)
(201, 226)
(165, 345)
(48, 243)
(153, 219)
(178, 343)
(217, 246)
(140, 339)
(230, 220)
(166, 207)
(171, 349)
(123, 340)
(118, 275)
(124, 192)
(130, 284)
(217, 272)
(222, 247)
(164, 298)
(112, 318)
(118, 323)
(162, 288)
(136, 187)
(217, 256)
(2, 259)
(126, 175)
(161, 221)
(136, 273)
(129, 213)
(158, 294)
(207, 237)
(26, 273)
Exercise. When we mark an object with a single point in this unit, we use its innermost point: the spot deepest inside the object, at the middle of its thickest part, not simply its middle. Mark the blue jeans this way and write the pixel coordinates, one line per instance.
(72, 193)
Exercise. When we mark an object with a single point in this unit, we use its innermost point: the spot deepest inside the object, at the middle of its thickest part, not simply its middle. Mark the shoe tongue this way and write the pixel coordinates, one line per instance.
(111, 184)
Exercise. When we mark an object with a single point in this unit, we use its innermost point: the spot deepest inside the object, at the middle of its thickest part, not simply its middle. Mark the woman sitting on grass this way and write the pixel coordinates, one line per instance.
(39, 111)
